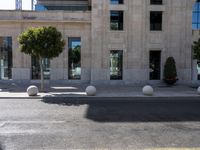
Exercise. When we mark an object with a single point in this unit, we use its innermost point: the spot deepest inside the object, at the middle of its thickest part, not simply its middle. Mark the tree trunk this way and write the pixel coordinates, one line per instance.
(41, 74)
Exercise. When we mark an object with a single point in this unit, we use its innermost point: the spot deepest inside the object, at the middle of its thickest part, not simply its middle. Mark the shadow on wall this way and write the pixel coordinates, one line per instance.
(130, 111)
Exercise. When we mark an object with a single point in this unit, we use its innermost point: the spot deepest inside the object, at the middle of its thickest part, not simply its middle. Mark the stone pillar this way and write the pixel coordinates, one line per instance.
(194, 70)
(97, 34)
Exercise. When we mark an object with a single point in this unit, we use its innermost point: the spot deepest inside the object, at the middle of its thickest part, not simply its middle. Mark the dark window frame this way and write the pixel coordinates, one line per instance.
(117, 20)
(116, 2)
(156, 20)
(35, 69)
(116, 74)
(78, 65)
(156, 2)
(196, 16)
(155, 65)
(6, 54)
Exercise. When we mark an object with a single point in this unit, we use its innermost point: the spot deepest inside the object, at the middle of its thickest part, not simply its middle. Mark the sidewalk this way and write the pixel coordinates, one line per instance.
(109, 91)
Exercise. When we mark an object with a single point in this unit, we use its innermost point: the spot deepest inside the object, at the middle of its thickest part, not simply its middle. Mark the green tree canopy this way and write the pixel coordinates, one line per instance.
(42, 42)
(196, 49)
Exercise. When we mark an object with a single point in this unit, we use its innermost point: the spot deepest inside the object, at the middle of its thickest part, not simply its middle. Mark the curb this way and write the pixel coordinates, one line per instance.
(88, 99)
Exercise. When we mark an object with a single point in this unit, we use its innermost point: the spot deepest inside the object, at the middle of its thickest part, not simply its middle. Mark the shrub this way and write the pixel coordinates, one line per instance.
(170, 74)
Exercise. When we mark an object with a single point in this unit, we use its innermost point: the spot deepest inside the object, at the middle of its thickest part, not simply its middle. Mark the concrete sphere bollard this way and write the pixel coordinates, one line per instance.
(148, 90)
(198, 90)
(90, 91)
(32, 90)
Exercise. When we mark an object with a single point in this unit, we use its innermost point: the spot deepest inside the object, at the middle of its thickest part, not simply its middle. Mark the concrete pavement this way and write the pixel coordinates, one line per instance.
(13, 90)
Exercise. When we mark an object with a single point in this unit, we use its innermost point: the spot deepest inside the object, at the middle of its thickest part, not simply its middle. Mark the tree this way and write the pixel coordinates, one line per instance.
(196, 49)
(170, 74)
(41, 42)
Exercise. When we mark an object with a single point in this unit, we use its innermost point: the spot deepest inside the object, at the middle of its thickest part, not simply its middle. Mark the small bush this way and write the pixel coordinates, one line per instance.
(170, 74)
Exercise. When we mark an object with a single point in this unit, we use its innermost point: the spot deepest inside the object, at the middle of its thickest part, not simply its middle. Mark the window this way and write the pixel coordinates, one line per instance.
(198, 69)
(116, 64)
(116, 1)
(196, 16)
(65, 8)
(74, 60)
(36, 73)
(155, 20)
(116, 20)
(154, 66)
(6, 58)
(156, 2)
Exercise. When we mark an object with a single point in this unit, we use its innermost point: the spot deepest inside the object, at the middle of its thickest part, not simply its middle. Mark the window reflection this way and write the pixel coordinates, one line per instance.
(116, 20)
(198, 69)
(116, 64)
(5, 57)
(196, 16)
(65, 8)
(36, 73)
(154, 66)
(116, 1)
(74, 58)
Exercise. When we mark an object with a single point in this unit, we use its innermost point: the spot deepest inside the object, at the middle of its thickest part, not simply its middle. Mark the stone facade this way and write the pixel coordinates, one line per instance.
(136, 40)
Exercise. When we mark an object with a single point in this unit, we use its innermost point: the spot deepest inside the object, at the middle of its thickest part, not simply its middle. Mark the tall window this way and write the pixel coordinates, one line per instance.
(116, 20)
(36, 73)
(5, 58)
(156, 20)
(116, 1)
(154, 66)
(74, 60)
(198, 69)
(116, 65)
(156, 2)
(196, 16)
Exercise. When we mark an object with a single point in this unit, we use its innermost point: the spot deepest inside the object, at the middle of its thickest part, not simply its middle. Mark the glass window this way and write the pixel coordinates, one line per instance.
(116, 1)
(196, 16)
(198, 69)
(74, 60)
(116, 65)
(154, 66)
(65, 8)
(155, 20)
(6, 58)
(156, 2)
(36, 73)
(116, 20)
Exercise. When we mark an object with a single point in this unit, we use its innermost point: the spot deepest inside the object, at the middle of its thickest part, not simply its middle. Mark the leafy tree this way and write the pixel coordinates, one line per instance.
(196, 49)
(41, 42)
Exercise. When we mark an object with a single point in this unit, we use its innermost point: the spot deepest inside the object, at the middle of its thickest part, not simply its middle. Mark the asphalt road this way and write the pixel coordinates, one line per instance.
(36, 124)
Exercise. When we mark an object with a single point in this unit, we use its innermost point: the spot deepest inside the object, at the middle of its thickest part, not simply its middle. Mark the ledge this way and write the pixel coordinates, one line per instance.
(46, 16)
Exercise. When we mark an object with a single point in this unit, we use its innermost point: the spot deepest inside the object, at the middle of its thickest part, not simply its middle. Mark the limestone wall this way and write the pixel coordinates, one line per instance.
(78, 27)
(136, 40)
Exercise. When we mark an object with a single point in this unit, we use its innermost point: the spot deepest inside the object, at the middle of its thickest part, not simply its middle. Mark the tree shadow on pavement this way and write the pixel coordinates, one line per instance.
(131, 111)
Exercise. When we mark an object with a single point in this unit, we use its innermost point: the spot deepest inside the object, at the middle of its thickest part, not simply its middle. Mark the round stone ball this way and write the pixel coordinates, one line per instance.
(32, 90)
(198, 90)
(148, 90)
(90, 91)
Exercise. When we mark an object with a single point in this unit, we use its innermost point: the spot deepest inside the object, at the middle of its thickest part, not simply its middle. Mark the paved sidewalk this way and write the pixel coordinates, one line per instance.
(13, 90)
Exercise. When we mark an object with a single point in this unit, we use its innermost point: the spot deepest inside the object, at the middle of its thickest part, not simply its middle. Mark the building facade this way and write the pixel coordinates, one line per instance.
(107, 41)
